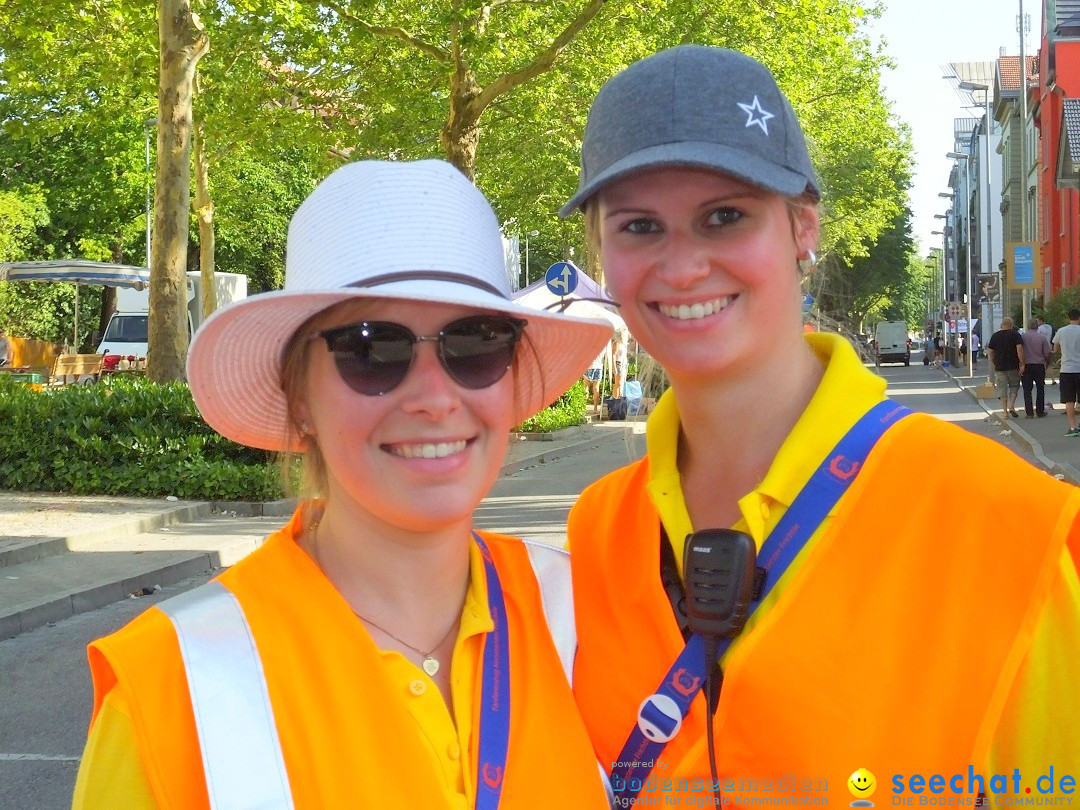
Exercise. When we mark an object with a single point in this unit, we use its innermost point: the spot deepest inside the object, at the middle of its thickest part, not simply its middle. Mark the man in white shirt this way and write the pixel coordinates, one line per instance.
(1067, 342)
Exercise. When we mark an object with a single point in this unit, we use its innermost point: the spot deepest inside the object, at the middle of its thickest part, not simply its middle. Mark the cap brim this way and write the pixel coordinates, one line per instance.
(695, 154)
(234, 363)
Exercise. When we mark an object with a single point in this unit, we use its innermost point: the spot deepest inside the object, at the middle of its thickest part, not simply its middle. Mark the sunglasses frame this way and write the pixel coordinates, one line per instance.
(517, 326)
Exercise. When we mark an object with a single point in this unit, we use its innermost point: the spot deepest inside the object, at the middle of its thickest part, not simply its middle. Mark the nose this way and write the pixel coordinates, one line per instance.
(686, 260)
(427, 388)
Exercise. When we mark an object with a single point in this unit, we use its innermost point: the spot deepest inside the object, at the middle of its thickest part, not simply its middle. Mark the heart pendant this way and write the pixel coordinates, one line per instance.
(431, 666)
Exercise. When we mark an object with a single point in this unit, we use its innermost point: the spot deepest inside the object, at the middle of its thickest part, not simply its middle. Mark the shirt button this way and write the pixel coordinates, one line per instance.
(417, 688)
(453, 751)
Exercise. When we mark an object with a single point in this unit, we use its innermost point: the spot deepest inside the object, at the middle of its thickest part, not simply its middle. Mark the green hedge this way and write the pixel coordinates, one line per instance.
(567, 411)
(123, 436)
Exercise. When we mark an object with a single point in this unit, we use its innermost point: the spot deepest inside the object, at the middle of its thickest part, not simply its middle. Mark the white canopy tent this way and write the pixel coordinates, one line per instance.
(538, 296)
(77, 271)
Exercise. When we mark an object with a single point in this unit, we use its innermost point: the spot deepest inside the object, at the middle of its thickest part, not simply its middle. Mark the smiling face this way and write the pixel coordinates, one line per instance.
(420, 457)
(704, 267)
(862, 784)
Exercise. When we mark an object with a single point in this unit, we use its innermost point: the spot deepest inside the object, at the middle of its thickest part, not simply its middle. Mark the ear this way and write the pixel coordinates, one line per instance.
(302, 415)
(806, 228)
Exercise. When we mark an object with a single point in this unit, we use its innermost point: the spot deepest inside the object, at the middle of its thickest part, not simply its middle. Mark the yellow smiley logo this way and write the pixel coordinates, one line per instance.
(862, 784)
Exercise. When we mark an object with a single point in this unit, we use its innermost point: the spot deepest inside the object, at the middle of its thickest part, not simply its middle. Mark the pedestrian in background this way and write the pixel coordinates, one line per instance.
(1047, 331)
(594, 376)
(1067, 342)
(1006, 351)
(878, 646)
(1036, 356)
(376, 652)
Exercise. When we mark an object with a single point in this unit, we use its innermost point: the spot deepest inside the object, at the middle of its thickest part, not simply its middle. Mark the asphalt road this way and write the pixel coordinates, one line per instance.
(45, 699)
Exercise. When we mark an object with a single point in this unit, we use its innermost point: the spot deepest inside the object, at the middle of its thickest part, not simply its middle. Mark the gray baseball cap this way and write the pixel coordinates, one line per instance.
(695, 106)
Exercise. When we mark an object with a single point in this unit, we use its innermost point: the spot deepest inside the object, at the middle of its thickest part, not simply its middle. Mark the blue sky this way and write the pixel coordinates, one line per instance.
(920, 36)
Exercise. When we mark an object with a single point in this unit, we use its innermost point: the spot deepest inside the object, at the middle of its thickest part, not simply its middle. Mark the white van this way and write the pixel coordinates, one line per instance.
(891, 342)
(126, 333)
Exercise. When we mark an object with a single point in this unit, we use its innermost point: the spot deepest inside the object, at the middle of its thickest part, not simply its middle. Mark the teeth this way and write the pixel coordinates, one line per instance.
(440, 450)
(684, 312)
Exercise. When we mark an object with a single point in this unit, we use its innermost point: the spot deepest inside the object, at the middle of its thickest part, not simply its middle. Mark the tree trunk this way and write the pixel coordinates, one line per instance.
(204, 214)
(461, 133)
(182, 42)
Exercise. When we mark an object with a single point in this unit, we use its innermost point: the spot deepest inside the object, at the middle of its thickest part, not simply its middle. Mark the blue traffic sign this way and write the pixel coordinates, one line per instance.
(562, 278)
(807, 302)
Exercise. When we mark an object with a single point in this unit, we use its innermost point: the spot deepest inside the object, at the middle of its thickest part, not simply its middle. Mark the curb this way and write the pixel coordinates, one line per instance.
(542, 456)
(1062, 468)
(75, 602)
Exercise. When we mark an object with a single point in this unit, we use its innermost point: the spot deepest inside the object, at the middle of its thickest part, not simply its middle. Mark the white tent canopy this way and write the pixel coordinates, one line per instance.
(77, 271)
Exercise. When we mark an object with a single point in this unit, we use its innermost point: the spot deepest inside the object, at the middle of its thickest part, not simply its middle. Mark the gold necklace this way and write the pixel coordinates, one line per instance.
(430, 664)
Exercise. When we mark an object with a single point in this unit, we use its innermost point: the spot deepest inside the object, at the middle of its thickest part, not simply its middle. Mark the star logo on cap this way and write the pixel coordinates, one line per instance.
(755, 114)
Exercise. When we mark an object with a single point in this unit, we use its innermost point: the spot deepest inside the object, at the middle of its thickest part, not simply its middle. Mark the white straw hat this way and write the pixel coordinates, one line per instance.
(377, 230)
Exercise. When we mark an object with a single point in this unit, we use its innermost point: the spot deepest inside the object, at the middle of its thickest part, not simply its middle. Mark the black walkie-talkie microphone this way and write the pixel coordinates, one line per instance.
(719, 568)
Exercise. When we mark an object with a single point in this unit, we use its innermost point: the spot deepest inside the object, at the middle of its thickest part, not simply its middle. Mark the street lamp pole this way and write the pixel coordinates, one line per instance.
(527, 235)
(150, 122)
(967, 253)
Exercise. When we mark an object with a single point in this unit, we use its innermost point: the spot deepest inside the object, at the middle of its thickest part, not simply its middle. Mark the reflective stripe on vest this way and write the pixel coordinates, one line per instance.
(552, 568)
(241, 752)
(231, 702)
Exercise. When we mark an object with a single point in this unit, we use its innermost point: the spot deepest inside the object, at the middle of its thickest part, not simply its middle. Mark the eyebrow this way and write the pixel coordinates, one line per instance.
(749, 193)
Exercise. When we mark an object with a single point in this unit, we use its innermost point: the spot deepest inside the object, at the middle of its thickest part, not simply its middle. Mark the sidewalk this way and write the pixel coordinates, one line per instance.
(130, 546)
(1045, 437)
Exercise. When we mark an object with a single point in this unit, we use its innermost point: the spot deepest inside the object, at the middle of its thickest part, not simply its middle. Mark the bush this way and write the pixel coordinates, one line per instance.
(123, 436)
(567, 411)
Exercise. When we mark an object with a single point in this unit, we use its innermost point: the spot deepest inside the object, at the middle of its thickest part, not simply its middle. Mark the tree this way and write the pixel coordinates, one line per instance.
(183, 42)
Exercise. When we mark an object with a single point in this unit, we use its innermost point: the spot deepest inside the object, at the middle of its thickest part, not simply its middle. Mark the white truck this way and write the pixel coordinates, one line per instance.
(891, 342)
(126, 333)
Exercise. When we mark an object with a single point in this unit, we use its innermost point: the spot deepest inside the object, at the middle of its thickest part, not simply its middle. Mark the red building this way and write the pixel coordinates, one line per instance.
(1056, 113)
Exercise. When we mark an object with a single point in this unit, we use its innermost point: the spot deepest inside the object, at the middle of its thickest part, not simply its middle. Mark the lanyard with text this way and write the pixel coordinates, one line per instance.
(661, 714)
(495, 695)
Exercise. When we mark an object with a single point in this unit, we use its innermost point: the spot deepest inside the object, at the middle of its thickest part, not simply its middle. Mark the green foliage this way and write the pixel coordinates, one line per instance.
(123, 437)
(567, 411)
(21, 214)
(1056, 311)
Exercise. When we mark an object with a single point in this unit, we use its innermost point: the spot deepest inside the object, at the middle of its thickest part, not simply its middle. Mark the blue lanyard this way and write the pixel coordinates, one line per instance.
(661, 714)
(495, 693)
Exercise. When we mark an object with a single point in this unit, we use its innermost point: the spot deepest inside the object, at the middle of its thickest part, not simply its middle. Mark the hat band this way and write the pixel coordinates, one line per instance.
(430, 275)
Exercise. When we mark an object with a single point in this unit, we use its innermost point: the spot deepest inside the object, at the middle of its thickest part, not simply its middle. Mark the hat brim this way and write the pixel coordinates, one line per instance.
(701, 155)
(234, 363)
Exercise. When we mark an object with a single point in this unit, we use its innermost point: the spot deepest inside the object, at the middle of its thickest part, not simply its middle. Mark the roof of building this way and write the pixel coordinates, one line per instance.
(1009, 71)
(1072, 127)
(1067, 15)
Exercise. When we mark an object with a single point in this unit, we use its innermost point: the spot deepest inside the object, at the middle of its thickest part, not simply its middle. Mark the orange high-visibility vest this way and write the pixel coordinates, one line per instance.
(346, 737)
(892, 647)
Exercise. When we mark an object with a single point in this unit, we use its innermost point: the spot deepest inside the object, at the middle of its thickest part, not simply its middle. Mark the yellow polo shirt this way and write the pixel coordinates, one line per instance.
(111, 774)
(1033, 732)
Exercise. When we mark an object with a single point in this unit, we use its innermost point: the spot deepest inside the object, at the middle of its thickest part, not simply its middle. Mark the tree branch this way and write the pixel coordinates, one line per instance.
(543, 61)
(390, 31)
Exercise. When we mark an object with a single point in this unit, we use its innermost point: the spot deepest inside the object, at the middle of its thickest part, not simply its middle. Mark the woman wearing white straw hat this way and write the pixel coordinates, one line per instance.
(908, 637)
(376, 652)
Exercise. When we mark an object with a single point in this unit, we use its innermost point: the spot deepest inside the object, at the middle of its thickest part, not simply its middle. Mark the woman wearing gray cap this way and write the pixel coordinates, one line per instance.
(376, 651)
(881, 635)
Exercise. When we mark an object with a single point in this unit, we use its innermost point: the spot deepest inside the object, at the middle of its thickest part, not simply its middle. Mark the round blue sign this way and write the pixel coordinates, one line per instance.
(562, 278)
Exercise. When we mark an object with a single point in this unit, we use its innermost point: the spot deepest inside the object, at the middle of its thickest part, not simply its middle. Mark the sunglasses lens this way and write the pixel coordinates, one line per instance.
(478, 351)
(372, 358)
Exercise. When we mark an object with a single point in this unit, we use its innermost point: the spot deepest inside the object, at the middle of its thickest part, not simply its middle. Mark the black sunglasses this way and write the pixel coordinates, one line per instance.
(373, 357)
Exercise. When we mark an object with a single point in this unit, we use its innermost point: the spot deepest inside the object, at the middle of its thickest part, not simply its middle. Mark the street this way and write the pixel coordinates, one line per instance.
(46, 700)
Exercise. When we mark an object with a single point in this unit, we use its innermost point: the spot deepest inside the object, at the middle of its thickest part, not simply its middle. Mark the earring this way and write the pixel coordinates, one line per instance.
(807, 264)
(304, 428)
